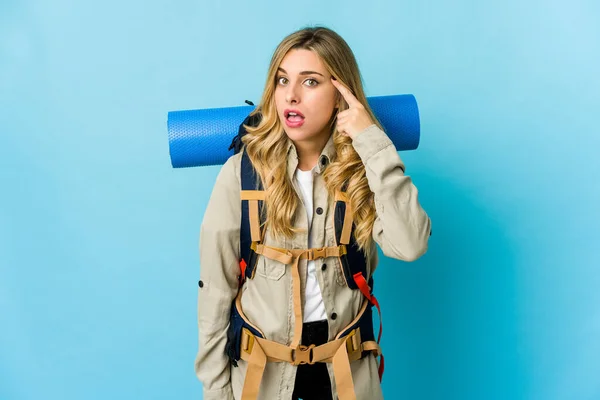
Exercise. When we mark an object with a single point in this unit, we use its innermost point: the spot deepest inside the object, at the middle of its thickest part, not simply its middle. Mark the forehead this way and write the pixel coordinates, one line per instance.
(298, 60)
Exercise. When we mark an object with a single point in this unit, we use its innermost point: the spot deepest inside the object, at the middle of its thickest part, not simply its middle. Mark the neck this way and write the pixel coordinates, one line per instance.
(309, 151)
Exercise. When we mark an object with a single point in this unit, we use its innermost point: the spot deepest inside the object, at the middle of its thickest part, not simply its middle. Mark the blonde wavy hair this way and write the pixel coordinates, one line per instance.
(266, 142)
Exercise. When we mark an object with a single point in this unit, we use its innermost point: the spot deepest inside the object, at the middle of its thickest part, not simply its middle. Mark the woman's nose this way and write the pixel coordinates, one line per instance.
(292, 96)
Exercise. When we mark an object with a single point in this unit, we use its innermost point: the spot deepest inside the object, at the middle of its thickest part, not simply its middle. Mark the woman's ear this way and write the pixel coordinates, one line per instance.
(338, 100)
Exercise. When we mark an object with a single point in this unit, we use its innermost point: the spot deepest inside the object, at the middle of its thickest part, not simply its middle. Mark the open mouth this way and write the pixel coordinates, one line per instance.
(294, 116)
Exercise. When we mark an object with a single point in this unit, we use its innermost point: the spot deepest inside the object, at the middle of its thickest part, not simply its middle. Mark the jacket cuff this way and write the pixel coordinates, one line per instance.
(225, 393)
(370, 141)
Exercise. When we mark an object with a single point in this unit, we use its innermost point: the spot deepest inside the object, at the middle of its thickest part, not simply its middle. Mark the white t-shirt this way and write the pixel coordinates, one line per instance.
(314, 309)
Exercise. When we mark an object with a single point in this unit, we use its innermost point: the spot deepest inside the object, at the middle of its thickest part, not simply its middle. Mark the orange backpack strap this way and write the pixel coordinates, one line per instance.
(251, 198)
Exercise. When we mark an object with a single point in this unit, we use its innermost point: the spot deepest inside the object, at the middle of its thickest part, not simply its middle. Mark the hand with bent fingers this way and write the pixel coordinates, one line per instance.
(355, 119)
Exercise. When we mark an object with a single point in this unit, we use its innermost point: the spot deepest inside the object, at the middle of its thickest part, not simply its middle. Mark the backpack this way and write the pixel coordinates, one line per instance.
(353, 261)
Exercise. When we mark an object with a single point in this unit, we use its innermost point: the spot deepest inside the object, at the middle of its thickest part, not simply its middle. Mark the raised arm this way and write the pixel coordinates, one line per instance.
(402, 227)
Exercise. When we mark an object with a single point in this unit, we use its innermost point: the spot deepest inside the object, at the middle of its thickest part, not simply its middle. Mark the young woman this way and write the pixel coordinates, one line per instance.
(317, 144)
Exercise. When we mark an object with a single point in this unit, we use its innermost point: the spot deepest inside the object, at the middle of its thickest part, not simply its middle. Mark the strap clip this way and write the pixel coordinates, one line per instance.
(247, 341)
(354, 345)
(303, 355)
(317, 253)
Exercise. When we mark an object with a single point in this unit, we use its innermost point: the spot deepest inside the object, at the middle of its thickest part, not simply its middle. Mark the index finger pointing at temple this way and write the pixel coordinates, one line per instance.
(346, 93)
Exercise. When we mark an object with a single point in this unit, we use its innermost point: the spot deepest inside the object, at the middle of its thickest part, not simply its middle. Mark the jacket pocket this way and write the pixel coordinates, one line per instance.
(270, 269)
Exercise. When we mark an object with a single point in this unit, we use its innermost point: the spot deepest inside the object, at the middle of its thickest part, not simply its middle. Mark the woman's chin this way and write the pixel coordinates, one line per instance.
(298, 134)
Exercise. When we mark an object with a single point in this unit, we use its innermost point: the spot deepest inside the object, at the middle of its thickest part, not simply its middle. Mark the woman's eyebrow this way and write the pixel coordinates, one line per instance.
(302, 73)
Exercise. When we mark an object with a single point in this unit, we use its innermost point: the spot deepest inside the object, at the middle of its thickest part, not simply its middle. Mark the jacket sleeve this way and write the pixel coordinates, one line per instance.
(402, 227)
(218, 286)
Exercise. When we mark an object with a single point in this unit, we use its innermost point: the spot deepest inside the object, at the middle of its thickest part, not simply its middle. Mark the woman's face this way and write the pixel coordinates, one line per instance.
(303, 86)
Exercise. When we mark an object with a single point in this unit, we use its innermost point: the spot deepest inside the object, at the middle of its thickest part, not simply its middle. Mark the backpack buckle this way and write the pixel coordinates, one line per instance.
(354, 345)
(317, 253)
(303, 355)
(247, 341)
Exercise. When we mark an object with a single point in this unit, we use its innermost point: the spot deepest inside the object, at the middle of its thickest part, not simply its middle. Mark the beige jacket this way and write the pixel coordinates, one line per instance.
(402, 230)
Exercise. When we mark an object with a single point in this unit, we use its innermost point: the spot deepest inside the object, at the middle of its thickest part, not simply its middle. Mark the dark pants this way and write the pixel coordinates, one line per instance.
(312, 381)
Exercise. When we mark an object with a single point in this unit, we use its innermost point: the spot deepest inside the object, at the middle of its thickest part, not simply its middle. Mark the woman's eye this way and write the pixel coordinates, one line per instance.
(313, 82)
(282, 80)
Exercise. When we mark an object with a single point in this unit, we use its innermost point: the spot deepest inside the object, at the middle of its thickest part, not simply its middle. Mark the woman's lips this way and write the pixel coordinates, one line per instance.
(294, 121)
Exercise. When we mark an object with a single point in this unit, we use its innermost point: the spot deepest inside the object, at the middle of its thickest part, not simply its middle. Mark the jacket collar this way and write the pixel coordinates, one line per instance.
(324, 159)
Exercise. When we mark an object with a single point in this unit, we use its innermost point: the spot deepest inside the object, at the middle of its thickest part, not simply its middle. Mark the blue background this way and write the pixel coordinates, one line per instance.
(98, 234)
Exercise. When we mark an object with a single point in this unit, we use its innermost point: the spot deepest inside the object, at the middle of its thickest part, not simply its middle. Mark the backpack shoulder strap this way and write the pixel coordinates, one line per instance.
(354, 261)
(252, 196)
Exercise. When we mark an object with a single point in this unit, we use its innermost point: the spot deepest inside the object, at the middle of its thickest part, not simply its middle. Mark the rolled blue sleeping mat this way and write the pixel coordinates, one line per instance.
(202, 137)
